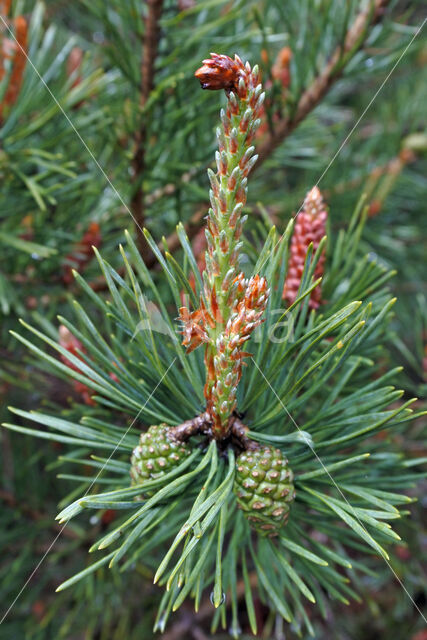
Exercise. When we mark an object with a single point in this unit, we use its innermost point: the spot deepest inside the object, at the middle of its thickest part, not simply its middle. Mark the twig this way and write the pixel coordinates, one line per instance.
(189, 428)
(311, 97)
(149, 53)
(202, 424)
(239, 432)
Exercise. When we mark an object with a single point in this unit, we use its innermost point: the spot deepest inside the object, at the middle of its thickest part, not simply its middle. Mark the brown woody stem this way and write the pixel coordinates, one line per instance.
(353, 41)
(202, 424)
(149, 54)
(240, 432)
(189, 428)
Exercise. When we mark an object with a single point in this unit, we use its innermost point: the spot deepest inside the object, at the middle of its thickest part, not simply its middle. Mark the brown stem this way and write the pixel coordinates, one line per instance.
(149, 54)
(189, 428)
(239, 431)
(202, 424)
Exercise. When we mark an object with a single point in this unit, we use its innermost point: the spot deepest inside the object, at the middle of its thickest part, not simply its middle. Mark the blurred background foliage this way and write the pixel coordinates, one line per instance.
(107, 129)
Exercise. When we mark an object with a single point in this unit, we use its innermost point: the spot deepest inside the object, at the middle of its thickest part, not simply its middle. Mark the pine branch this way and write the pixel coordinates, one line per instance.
(310, 98)
(150, 48)
(353, 41)
(221, 512)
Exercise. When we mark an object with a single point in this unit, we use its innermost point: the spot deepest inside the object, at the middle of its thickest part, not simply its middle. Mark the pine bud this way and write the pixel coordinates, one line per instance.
(219, 72)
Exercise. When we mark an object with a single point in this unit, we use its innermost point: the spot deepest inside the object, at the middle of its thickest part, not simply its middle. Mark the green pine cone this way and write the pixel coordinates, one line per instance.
(264, 488)
(156, 454)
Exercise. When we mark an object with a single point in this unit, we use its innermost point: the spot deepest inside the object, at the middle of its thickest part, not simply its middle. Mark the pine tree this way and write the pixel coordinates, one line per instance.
(307, 377)
(154, 126)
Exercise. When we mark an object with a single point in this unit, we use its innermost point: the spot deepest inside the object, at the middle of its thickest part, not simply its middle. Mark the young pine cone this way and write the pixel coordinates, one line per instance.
(156, 454)
(310, 226)
(264, 488)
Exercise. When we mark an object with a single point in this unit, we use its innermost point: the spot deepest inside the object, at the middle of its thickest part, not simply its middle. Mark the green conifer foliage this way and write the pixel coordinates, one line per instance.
(301, 361)
(307, 392)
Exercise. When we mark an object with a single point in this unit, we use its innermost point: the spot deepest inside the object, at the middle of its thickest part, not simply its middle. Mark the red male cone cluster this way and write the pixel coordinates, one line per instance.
(73, 345)
(82, 252)
(310, 227)
(14, 50)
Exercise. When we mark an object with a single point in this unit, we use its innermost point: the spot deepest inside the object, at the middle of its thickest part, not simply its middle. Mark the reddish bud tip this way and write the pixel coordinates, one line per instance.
(219, 72)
